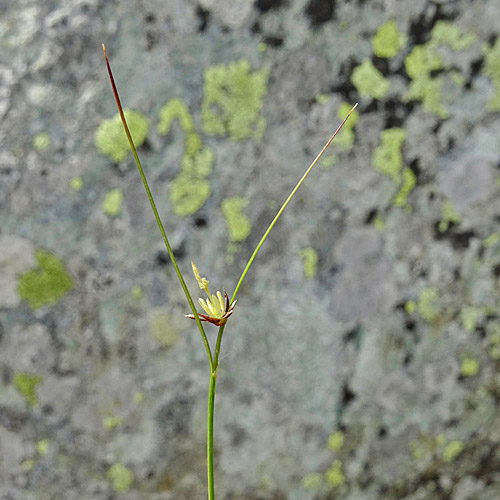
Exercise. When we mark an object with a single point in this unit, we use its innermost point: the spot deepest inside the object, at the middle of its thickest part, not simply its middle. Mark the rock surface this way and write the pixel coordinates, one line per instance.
(363, 358)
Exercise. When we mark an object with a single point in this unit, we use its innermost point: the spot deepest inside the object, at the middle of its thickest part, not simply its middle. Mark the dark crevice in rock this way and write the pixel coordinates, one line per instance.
(396, 112)
(458, 240)
(203, 17)
(266, 5)
(320, 11)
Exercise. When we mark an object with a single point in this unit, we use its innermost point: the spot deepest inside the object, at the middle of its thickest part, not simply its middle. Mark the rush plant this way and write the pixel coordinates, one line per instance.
(218, 307)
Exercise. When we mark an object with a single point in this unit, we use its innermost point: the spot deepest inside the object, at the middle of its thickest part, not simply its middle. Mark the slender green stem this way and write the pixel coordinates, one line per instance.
(210, 436)
(278, 215)
(217, 347)
(156, 214)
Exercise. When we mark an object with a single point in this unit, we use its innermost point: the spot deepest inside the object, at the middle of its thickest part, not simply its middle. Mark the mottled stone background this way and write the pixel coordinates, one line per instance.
(362, 361)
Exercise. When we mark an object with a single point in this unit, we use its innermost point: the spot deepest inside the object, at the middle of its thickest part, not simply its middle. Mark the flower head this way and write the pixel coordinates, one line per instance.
(216, 306)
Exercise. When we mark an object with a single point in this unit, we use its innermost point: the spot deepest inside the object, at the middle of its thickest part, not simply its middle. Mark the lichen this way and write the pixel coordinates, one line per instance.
(409, 181)
(190, 188)
(187, 195)
(42, 447)
(448, 33)
(492, 71)
(112, 204)
(428, 304)
(388, 40)
(26, 384)
(175, 109)
(387, 157)
(429, 92)
(312, 482)
(309, 261)
(452, 450)
(431, 448)
(424, 60)
(336, 441)
(334, 476)
(449, 215)
(470, 316)
(494, 347)
(238, 224)
(42, 141)
(111, 422)
(492, 240)
(47, 283)
(233, 99)
(369, 81)
(198, 164)
(469, 367)
(410, 306)
(121, 478)
(76, 183)
(421, 61)
(111, 140)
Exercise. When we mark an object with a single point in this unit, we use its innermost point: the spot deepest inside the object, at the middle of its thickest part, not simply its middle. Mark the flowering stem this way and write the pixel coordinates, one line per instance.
(210, 436)
(215, 365)
(280, 211)
(156, 214)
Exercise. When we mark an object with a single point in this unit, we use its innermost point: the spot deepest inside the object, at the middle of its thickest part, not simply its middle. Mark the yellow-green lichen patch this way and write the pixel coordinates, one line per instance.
(163, 331)
(121, 478)
(345, 140)
(312, 482)
(309, 258)
(334, 476)
(410, 306)
(421, 61)
(323, 98)
(452, 450)
(198, 164)
(428, 304)
(336, 441)
(470, 316)
(494, 347)
(409, 181)
(448, 33)
(469, 367)
(112, 204)
(492, 240)
(42, 141)
(492, 71)
(42, 447)
(449, 215)
(190, 188)
(328, 161)
(428, 448)
(76, 184)
(379, 223)
(387, 157)
(233, 98)
(188, 195)
(111, 422)
(238, 224)
(369, 81)
(175, 109)
(388, 40)
(47, 283)
(424, 59)
(26, 384)
(111, 140)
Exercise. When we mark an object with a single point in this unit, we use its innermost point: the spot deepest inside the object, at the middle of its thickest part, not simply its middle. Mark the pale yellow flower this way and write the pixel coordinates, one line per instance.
(216, 306)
